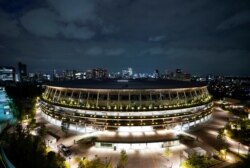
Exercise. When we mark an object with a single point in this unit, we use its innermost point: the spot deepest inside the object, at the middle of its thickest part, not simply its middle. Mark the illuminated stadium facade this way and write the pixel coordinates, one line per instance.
(124, 104)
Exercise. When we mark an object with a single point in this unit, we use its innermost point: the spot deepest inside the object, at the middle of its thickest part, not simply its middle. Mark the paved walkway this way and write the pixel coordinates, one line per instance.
(146, 158)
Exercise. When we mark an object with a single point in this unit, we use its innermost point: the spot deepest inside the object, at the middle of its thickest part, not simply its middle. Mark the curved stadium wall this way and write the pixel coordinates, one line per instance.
(116, 104)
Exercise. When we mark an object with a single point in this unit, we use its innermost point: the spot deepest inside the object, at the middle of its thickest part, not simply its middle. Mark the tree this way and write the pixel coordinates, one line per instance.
(80, 164)
(221, 139)
(24, 98)
(42, 131)
(83, 163)
(30, 151)
(32, 123)
(167, 153)
(95, 163)
(55, 160)
(123, 159)
(222, 145)
(196, 161)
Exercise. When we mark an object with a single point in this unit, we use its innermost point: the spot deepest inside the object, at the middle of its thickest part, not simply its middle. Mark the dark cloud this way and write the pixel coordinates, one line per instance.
(18, 7)
(74, 10)
(8, 25)
(236, 20)
(49, 23)
(41, 22)
(77, 32)
(157, 38)
(200, 36)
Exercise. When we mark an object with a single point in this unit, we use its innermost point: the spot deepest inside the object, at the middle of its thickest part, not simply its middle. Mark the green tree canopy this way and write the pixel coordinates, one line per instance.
(94, 163)
(123, 159)
(25, 150)
(196, 161)
(167, 153)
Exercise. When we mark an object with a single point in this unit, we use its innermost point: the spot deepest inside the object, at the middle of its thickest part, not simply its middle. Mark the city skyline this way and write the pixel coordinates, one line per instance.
(201, 37)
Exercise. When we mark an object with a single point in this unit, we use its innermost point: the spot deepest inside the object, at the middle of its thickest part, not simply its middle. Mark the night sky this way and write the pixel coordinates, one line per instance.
(199, 36)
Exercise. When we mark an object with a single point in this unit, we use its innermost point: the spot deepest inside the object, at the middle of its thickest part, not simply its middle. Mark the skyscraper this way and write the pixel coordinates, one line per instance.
(156, 74)
(22, 71)
(99, 73)
(130, 72)
(127, 73)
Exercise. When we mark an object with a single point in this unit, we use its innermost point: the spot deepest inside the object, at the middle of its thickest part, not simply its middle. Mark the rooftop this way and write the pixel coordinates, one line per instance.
(126, 84)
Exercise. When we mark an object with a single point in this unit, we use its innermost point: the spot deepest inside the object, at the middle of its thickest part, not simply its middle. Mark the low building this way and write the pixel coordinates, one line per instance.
(7, 74)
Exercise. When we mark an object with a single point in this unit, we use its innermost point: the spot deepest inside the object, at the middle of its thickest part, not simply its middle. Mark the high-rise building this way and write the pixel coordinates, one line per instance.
(22, 71)
(180, 75)
(7, 74)
(88, 74)
(55, 75)
(178, 71)
(156, 74)
(80, 75)
(99, 73)
(115, 75)
(127, 73)
(69, 74)
(177, 75)
(124, 73)
(130, 72)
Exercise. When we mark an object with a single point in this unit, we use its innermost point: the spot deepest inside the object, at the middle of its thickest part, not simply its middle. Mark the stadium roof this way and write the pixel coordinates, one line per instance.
(126, 84)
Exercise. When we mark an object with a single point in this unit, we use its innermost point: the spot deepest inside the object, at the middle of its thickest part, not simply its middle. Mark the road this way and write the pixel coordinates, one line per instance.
(207, 133)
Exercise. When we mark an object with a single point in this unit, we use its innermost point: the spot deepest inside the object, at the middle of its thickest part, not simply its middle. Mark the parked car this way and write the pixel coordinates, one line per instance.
(64, 150)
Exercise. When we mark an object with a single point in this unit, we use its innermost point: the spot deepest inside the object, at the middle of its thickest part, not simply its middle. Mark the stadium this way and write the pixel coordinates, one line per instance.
(127, 105)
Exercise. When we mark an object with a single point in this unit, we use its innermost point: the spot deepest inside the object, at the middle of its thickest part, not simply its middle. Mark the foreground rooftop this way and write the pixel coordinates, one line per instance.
(126, 84)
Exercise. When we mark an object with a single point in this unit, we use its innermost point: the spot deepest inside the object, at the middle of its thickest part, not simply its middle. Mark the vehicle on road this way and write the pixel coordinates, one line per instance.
(64, 150)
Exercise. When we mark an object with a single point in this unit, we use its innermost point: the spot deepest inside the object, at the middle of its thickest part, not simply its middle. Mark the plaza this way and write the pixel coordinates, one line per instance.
(148, 157)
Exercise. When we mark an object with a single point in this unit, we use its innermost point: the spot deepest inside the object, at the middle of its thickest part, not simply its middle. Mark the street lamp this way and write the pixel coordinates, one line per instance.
(106, 159)
(69, 160)
(223, 153)
(248, 151)
(180, 159)
(238, 148)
